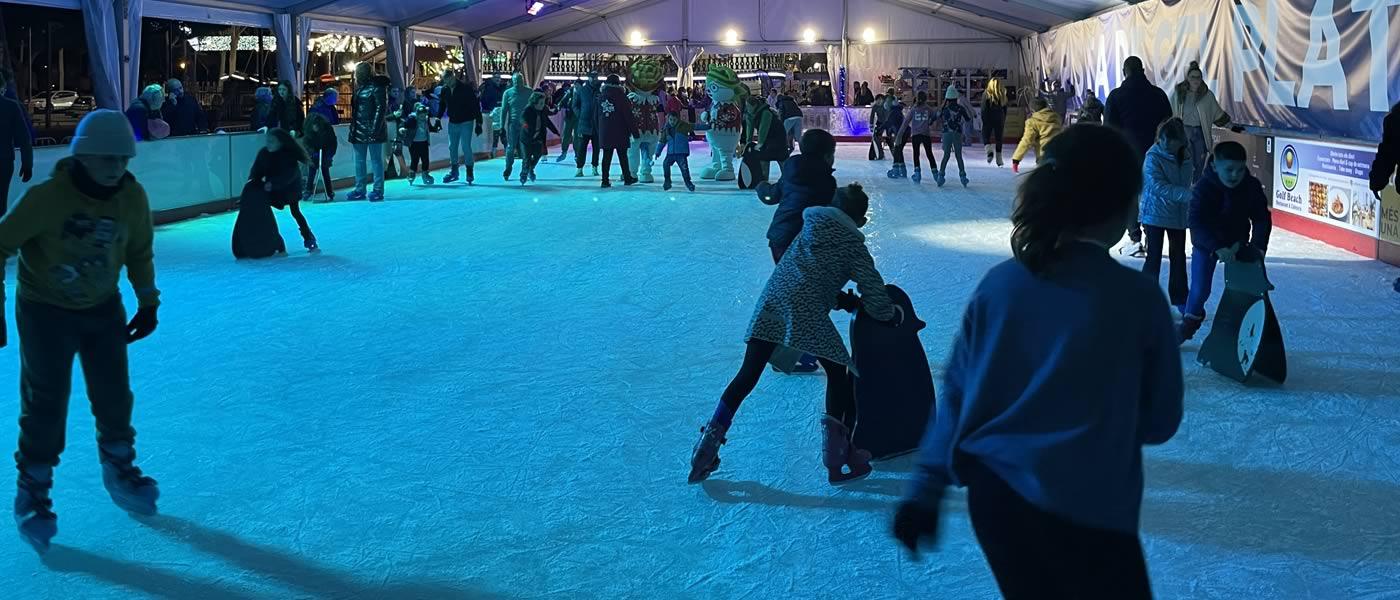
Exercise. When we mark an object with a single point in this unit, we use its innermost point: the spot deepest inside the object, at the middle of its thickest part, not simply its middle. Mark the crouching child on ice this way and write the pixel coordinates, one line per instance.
(73, 234)
(1042, 414)
(1230, 220)
(793, 315)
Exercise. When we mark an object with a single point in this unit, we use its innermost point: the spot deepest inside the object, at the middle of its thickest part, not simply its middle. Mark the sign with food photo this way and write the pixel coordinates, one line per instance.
(1326, 182)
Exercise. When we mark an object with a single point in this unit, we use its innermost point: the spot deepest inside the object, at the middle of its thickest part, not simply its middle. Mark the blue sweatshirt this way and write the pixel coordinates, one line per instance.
(1221, 217)
(1055, 383)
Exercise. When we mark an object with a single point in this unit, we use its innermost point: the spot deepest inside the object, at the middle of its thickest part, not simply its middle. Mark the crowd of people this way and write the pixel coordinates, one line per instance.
(1055, 487)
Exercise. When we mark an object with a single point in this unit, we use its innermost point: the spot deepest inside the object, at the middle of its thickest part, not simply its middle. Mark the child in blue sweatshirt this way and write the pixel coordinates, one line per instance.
(675, 142)
(1229, 220)
(1043, 415)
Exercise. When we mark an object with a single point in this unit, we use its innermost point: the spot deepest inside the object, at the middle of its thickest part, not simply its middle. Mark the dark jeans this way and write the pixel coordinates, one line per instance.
(897, 151)
(1196, 148)
(925, 142)
(681, 160)
(533, 151)
(840, 393)
(1202, 278)
(621, 160)
(295, 208)
(1177, 286)
(581, 142)
(7, 174)
(952, 148)
(324, 159)
(993, 129)
(1035, 554)
(49, 338)
(418, 155)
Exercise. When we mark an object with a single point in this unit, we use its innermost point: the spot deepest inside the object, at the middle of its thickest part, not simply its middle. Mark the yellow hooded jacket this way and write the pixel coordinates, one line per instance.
(1041, 126)
(72, 247)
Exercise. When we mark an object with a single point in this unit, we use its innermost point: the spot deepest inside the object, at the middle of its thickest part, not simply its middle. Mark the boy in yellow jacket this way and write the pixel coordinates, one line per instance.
(1041, 127)
(73, 234)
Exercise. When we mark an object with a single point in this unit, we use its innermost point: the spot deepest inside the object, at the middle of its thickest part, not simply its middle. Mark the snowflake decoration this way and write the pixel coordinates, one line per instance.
(607, 107)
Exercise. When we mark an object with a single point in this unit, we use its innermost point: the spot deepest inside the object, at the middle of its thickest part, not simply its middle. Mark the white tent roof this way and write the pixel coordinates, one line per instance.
(772, 25)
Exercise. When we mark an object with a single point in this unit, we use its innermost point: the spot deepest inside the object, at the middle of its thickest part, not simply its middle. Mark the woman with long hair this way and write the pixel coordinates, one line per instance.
(1165, 206)
(1197, 107)
(287, 113)
(994, 104)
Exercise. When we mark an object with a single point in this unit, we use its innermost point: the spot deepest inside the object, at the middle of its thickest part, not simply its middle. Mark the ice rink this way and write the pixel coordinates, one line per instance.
(493, 393)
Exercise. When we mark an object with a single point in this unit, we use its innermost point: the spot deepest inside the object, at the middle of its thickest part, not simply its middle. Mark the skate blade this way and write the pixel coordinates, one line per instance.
(38, 540)
(135, 507)
(699, 475)
(848, 477)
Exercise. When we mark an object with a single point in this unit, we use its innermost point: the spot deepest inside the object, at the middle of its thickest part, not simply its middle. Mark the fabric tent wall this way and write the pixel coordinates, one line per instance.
(684, 57)
(410, 58)
(393, 57)
(287, 69)
(303, 25)
(104, 54)
(129, 22)
(869, 62)
(535, 64)
(471, 57)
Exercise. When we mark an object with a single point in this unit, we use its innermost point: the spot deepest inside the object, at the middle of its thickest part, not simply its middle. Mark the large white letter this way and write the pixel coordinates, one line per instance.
(1319, 71)
(1380, 49)
(1247, 29)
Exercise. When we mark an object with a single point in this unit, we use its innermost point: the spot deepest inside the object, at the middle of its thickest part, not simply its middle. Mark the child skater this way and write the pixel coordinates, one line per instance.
(1041, 127)
(1230, 220)
(73, 234)
(954, 117)
(918, 122)
(675, 142)
(877, 128)
(321, 146)
(793, 314)
(1049, 450)
(416, 130)
(894, 119)
(1165, 207)
(536, 124)
(278, 168)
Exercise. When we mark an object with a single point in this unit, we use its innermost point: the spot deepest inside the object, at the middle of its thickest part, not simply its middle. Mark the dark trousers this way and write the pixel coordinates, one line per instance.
(680, 160)
(49, 338)
(295, 208)
(323, 158)
(840, 392)
(1177, 282)
(418, 155)
(7, 174)
(993, 130)
(533, 151)
(621, 160)
(581, 142)
(897, 151)
(1035, 554)
(925, 142)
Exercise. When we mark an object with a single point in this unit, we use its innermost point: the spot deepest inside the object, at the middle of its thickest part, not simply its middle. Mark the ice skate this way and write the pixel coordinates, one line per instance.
(666, 185)
(691, 186)
(647, 177)
(838, 453)
(532, 175)
(524, 177)
(579, 172)
(357, 195)
(595, 170)
(412, 177)
(963, 178)
(428, 179)
(894, 172)
(131, 490)
(311, 246)
(1189, 326)
(629, 181)
(607, 184)
(989, 156)
(562, 157)
(451, 176)
(1133, 249)
(918, 176)
(34, 516)
(705, 459)
(999, 163)
(376, 196)
(471, 175)
(941, 178)
(506, 174)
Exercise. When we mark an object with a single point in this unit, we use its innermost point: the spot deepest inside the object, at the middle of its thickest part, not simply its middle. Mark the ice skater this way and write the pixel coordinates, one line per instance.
(616, 128)
(877, 128)
(1041, 127)
(917, 127)
(793, 314)
(894, 119)
(74, 233)
(675, 143)
(954, 117)
(994, 119)
(461, 105)
(277, 168)
(1229, 220)
(535, 125)
(1166, 202)
(1048, 440)
(417, 130)
(321, 146)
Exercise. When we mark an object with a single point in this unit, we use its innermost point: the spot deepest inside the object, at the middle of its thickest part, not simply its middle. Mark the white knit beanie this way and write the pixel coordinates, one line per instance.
(105, 133)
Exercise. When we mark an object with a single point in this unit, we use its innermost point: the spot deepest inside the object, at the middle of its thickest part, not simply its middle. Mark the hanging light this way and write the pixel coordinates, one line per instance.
(809, 36)
(636, 38)
(535, 9)
(868, 35)
(731, 37)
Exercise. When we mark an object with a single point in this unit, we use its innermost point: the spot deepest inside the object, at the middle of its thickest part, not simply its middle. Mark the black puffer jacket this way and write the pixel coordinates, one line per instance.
(1136, 108)
(1388, 152)
(368, 109)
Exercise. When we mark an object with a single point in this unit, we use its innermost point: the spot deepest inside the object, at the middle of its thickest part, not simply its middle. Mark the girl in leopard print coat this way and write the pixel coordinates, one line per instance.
(793, 317)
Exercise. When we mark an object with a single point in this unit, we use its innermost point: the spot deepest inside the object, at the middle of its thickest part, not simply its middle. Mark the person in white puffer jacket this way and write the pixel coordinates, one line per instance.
(1167, 174)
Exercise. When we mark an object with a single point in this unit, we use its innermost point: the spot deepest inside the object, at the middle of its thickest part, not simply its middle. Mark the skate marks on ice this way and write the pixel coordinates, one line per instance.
(276, 567)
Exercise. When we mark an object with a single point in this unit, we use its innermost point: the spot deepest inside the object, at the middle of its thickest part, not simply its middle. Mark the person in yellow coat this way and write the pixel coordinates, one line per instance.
(74, 234)
(1042, 126)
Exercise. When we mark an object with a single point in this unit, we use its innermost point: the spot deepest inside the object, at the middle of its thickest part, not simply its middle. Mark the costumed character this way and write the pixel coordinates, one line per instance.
(645, 78)
(726, 119)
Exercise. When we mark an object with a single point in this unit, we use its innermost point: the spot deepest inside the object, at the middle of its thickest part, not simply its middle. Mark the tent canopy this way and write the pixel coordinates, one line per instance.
(775, 25)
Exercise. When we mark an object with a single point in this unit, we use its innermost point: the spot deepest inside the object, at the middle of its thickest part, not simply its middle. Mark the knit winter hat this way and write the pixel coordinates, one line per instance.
(952, 93)
(722, 75)
(104, 133)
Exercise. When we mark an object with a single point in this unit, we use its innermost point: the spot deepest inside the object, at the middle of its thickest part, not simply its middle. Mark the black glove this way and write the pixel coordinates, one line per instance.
(848, 301)
(141, 325)
(1237, 128)
(914, 523)
(25, 173)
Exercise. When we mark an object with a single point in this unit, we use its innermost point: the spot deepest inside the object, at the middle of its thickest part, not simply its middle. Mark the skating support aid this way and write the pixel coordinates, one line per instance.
(1245, 341)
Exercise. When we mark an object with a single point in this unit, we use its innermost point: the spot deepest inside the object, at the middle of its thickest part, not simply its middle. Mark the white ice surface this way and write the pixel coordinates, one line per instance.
(494, 392)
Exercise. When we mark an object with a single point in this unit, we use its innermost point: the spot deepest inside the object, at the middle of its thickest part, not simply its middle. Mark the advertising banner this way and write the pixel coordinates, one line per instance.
(1325, 67)
(1390, 215)
(1326, 183)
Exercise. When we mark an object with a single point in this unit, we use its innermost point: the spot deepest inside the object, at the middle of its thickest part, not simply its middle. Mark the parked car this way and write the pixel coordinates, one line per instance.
(62, 100)
(82, 105)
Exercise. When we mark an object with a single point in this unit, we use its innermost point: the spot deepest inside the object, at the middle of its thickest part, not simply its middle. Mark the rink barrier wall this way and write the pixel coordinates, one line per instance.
(186, 177)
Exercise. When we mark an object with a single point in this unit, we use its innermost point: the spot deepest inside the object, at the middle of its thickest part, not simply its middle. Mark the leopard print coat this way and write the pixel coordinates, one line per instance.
(794, 310)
